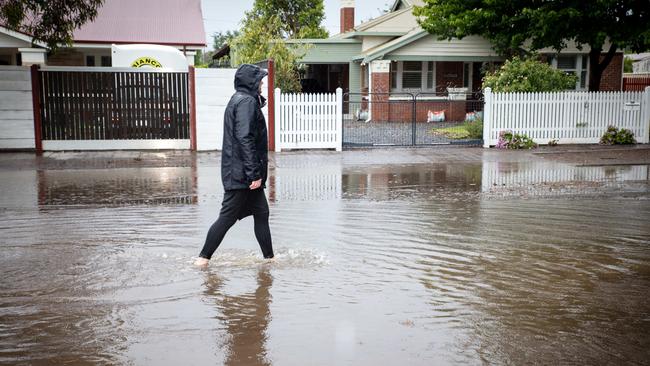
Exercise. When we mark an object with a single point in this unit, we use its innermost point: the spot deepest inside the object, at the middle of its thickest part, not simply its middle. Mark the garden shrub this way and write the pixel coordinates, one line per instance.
(528, 75)
(511, 140)
(474, 128)
(614, 136)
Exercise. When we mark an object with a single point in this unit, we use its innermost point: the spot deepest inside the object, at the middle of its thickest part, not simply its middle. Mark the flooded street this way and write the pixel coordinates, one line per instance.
(384, 257)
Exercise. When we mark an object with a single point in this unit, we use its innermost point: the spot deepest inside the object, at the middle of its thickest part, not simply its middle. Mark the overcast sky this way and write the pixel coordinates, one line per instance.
(223, 15)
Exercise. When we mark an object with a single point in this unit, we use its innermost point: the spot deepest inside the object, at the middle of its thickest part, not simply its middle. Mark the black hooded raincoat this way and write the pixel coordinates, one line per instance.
(244, 157)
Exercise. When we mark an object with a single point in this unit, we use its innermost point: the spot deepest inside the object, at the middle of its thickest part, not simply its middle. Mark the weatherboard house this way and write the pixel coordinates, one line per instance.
(391, 56)
(161, 22)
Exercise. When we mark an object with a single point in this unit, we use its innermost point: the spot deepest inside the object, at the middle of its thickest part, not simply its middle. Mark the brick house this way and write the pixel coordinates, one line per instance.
(391, 55)
(177, 23)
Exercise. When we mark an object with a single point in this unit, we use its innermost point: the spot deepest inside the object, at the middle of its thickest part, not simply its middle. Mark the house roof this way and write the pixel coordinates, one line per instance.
(171, 22)
(222, 52)
(638, 56)
(325, 51)
(405, 3)
(322, 40)
(397, 36)
(370, 25)
(381, 50)
(20, 36)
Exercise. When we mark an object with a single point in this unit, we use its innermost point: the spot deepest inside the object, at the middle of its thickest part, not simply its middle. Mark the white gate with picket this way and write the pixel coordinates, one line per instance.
(568, 117)
(308, 121)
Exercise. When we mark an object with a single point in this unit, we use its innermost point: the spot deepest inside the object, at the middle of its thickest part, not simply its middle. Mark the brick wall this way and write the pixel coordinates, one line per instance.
(402, 110)
(611, 80)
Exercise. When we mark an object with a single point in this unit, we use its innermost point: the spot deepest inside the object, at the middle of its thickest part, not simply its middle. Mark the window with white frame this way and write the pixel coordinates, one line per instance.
(574, 65)
(412, 76)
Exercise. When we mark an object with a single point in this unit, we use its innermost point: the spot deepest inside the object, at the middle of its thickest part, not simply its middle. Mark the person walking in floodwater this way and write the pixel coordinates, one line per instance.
(244, 164)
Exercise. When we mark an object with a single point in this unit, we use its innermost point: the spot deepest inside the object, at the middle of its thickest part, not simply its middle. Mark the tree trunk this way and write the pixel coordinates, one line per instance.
(596, 67)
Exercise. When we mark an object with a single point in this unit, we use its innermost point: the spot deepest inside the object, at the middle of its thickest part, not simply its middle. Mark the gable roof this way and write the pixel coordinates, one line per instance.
(20, 36)
(171, 22)
(397, 22)
(399, 4)
(381, 50)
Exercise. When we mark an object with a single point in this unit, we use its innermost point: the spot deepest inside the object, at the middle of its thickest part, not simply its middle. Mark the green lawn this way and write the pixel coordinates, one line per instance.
(454, 133)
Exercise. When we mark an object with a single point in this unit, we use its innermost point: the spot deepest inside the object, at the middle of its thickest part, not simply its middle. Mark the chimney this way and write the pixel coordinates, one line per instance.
(347, 15)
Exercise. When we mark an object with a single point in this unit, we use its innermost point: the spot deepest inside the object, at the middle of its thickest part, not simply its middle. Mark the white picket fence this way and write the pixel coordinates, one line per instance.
(308, 121)
(568, 117)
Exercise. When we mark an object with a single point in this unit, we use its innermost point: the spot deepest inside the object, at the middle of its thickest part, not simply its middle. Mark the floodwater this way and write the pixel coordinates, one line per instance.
(401, 262)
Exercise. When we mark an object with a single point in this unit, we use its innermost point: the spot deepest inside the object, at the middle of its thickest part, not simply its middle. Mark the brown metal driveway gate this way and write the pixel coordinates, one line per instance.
(85, 104)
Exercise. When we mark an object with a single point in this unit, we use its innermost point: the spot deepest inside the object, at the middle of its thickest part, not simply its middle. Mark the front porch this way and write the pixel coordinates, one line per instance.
(325, 78)
(423, 91)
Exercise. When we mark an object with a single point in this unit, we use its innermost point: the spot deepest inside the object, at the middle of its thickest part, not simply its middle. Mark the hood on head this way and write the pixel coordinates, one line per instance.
(248, 78)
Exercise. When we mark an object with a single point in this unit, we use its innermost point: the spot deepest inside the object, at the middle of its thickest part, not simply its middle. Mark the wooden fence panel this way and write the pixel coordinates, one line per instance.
(635, 83)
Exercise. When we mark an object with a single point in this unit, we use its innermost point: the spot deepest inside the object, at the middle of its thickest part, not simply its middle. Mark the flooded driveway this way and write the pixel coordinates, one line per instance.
(384, 257)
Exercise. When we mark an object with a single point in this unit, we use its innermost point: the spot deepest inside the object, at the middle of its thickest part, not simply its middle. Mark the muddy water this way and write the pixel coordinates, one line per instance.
(422, 264)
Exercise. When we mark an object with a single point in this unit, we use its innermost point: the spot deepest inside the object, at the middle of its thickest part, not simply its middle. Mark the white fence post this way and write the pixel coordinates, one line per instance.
(278, 118)
(645, 115)
(339, 119)
(487, 116)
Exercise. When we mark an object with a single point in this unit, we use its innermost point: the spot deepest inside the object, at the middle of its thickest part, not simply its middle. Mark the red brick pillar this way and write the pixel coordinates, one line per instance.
(379, 89)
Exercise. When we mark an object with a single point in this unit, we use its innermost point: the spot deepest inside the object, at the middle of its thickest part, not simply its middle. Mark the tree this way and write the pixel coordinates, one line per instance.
(298, 18)
(528, 75)
(517, 27)
(219, 39)
(50, 21)
(628, 65)
(203, 59)
(259, 41)
(265, 29)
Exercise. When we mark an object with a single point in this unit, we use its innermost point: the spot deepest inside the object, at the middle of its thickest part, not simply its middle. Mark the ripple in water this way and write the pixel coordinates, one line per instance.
(285, 258)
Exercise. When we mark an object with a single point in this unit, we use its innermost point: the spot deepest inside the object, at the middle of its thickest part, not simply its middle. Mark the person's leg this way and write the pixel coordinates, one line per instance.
(232, 203)
(263, 234)
(260, 208)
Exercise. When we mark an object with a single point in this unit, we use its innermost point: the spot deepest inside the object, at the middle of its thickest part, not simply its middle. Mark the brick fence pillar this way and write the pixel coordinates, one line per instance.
(380, 87)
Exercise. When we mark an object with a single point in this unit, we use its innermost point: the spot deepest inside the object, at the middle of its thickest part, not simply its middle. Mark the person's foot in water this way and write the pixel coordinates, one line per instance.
(201, 262)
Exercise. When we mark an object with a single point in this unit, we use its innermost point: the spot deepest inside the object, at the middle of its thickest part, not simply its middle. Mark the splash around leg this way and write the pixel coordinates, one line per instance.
(201, 262)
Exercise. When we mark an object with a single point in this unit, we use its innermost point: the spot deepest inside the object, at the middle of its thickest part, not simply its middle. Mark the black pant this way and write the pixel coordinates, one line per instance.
(236, 205)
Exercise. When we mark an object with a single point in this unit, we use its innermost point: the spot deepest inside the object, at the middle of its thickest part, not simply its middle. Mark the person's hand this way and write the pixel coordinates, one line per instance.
(256, 184)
